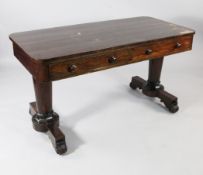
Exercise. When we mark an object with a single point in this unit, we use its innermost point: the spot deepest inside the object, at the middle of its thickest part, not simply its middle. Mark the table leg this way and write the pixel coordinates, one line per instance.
(152, 86)
(44, 118)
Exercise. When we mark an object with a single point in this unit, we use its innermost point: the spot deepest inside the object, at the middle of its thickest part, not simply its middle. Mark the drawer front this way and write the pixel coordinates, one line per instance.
(118, 57)
(89, 64)
(159, 49)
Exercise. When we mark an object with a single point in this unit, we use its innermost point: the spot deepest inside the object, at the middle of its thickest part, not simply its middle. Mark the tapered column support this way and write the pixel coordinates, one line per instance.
(152, 86)
(44, 118)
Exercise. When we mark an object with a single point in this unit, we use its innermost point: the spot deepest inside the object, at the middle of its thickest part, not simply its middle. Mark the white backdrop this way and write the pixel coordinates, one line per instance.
(110, 129)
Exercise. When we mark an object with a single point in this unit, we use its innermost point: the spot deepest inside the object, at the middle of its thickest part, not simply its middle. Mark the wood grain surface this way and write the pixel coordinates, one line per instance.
(70, 41)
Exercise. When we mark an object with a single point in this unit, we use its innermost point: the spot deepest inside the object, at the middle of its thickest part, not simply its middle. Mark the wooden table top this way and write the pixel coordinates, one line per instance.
(88, 38)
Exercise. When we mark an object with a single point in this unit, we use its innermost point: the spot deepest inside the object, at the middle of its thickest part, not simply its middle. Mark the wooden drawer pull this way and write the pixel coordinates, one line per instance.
(112, 59)
(72, 68)
(178, 45)
(148, 52)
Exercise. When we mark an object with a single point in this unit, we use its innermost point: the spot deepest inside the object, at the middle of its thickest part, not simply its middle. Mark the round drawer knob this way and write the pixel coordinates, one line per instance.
(178, 45)
(72, 68)
(112, 59)
(148, 51)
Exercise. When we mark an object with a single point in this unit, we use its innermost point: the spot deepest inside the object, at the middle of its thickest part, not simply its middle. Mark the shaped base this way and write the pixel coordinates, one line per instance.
(156, 90)
(49, 123)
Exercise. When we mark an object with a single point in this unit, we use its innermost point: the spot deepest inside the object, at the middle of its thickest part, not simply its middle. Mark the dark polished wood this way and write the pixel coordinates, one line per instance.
(43, 94)
(49, 53)
(152, 86)
(123, 56)
(44, 118)
(72, 41)
(49, 122)
(63, 52)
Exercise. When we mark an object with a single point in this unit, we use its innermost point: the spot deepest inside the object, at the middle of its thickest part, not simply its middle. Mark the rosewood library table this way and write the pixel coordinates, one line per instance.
(64, 52)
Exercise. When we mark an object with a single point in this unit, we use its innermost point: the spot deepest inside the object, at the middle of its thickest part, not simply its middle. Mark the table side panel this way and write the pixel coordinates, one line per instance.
(39, 70)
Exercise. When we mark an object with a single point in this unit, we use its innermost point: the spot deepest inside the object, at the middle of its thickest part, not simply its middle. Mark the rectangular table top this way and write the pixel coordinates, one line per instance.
(80, 39)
